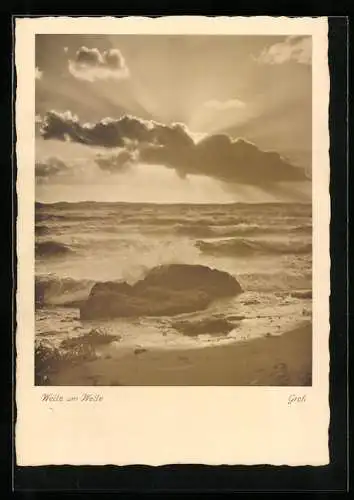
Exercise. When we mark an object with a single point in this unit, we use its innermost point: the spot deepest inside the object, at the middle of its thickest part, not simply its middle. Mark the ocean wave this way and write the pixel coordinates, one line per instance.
(69, 217)
(303, 228)
(42, 230)
(52, 248)
(103, 242)
(246, 247)
(61, 291)
(195, 231)
(225, 231)
(47, 217)
(302, 294)
(286, 282)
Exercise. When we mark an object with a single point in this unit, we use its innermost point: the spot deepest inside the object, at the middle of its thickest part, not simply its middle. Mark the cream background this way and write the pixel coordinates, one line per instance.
(159, 425)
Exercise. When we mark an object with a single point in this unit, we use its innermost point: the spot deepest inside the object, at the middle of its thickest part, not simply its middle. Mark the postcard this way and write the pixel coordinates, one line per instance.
(172, 240)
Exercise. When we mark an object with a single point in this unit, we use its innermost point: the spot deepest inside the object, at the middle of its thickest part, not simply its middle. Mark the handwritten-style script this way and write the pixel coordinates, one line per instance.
(87, 397)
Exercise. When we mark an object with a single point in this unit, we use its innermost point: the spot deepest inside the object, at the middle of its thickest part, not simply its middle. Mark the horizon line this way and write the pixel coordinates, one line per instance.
(173, 203)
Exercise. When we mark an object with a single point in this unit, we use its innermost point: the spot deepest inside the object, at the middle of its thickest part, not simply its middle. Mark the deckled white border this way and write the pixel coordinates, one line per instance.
(159, 425)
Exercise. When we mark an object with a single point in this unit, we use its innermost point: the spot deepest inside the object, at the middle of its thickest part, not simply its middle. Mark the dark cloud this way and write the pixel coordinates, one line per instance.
(222, 158)
(90, 57)
(66, 126)
(110, 132)
(50, 167)
(116, 163)
(91, 64)
(216, 156)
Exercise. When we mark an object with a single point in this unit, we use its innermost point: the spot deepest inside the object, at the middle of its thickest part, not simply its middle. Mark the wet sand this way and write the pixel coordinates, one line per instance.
(274, 360)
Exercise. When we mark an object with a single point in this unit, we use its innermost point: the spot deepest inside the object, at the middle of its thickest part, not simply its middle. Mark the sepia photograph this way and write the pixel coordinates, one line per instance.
(173, 210)
(172, 237)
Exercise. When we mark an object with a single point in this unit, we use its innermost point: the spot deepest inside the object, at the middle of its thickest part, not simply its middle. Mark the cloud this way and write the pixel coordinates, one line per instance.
(80, 170)
(38, 73)
(50, 167)
(147, 142)
(111, 132)
(116, 163)
(222, 158)
(224, 105)
(294, 48)
(91, 65)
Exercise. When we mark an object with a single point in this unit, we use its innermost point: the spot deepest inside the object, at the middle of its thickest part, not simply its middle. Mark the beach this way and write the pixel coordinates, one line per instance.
(272, 360)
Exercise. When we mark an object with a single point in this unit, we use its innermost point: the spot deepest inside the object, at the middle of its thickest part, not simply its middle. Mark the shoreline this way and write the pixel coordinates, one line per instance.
(272, 360)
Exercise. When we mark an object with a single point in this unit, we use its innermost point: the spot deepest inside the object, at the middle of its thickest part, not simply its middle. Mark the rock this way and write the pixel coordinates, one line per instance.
(201, 327)
(110, 287)
(167, 303)
(165, 291)
(186, 277)
(251, 302)
(236, 317)
(139, 350)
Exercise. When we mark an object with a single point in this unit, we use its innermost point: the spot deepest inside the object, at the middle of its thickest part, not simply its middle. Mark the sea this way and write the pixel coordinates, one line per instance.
(266, 247)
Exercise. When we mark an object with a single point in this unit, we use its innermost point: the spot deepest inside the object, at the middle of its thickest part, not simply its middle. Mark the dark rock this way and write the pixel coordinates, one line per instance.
(251, 302)
(236, 317)
(186, 277)
(165, 291)
(206, 326)
(139, 350)
(169, 303)
(110, 287)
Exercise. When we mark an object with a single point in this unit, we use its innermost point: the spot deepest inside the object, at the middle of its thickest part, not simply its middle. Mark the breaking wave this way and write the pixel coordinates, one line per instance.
(53, 290)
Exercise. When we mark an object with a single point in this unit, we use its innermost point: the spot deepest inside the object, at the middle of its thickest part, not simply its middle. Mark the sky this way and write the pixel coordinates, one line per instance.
(157, 118)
